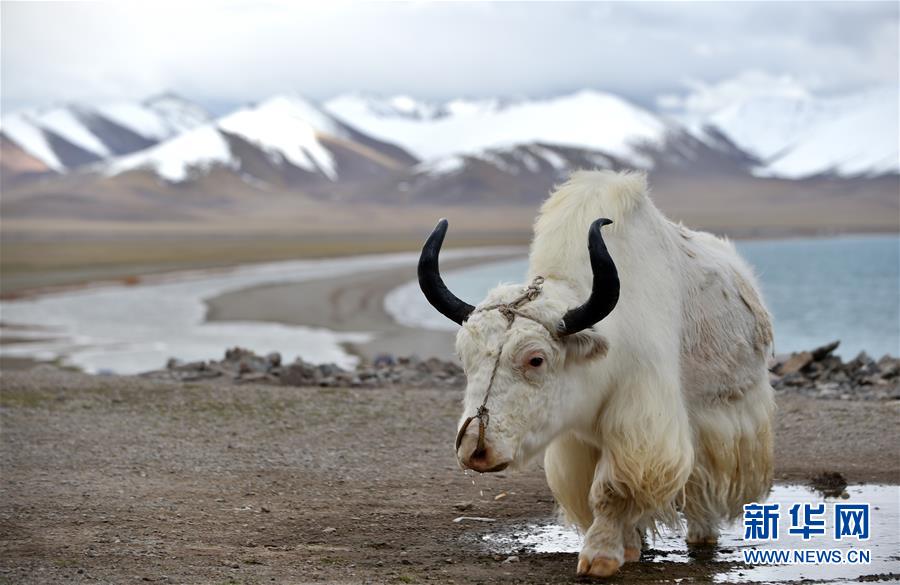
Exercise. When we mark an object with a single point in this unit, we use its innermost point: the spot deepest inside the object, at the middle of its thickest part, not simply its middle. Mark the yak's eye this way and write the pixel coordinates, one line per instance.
(536, 362)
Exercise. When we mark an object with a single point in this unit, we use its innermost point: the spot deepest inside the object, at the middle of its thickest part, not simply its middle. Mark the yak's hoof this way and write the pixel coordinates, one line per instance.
(702, 540)
(599, 567)
(632, 554)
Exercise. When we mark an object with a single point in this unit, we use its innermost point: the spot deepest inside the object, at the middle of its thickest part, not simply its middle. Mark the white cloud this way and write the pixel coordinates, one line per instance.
(240, 51)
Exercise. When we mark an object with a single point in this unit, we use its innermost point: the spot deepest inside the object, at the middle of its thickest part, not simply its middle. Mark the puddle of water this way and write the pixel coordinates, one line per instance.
(884, 542)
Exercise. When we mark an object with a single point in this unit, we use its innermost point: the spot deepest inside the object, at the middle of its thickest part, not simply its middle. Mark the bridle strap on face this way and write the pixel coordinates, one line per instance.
(510, 311)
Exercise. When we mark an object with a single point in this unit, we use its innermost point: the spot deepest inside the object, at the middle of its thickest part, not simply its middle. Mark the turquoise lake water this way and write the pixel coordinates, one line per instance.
(818, 289)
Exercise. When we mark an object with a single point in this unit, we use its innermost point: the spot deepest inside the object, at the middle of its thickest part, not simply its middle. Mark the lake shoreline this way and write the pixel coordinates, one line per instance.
(807, 304)
(131, 269)
(347, 306)
(350, 303)
(341, 310)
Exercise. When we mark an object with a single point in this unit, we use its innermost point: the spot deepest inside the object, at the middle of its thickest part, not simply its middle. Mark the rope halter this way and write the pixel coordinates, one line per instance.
(509, 310)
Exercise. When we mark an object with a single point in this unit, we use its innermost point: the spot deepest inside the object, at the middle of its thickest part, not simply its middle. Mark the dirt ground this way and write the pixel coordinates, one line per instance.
(125, 480)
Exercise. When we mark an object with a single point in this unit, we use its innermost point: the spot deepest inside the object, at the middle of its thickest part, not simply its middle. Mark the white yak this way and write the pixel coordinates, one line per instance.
(636, 363)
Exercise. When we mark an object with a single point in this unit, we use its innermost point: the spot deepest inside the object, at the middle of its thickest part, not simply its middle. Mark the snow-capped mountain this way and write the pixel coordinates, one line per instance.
(802, 136)
(68, 136)
(780, 136)
(398, 106)
(362, 106)
(520, 174)
(288, 129)
(513, 151)
(166, 158)
(197, 150)
(24, 130)
(525, 173)
(285, 135)
(587, 119)
(786, 137)
(159, 117)
(466, 149)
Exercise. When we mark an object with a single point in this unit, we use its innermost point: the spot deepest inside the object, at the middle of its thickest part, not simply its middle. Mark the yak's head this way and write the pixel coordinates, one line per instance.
(520, 349)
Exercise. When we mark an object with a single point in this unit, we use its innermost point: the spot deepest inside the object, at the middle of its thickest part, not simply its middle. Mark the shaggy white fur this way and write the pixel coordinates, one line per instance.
(664, 405)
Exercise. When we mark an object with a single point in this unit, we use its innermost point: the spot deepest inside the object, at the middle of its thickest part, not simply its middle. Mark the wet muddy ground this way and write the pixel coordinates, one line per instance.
(127, 480)
(881, 547)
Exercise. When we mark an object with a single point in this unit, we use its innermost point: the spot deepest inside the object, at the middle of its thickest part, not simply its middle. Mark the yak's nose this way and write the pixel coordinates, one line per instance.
(482, 458)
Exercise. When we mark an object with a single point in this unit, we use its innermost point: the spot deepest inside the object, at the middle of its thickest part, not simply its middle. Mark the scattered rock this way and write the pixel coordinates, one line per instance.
(820, 374)
(329, 529)
(241, 365)
(384, 360)
(794, 364)
(817, 373)
(473, 519)
(820, 353)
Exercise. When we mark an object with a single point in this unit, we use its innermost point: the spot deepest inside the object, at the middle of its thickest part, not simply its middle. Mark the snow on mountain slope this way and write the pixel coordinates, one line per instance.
(196, 150)
(287, 127)
(136, 117)
(285, 137)
(69, 123)
(517, 175)
(99, 131)
(861, 140)
(180, 114)
(586, 119)
(519, 160)
(766, 126)
(796, 137)
(157, 118)
(28, 136)
(399, 106)
(362, 105)
(355, 137)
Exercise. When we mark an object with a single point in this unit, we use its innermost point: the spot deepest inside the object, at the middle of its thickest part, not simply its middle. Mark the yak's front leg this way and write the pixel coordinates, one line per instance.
(632, 537)
(604, 543)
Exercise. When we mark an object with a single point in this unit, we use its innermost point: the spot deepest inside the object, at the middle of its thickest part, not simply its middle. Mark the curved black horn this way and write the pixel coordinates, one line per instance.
(431, 283)
(605, 290)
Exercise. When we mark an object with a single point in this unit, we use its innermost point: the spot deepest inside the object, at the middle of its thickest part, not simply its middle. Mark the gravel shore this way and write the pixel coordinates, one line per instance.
(814, 374)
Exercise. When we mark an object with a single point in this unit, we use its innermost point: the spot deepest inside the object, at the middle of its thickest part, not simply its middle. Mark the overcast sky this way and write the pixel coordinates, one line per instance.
(223, 54)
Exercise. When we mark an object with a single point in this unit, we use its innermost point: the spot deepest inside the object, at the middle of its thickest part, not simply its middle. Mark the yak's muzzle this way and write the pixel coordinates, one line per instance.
(479, 455)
